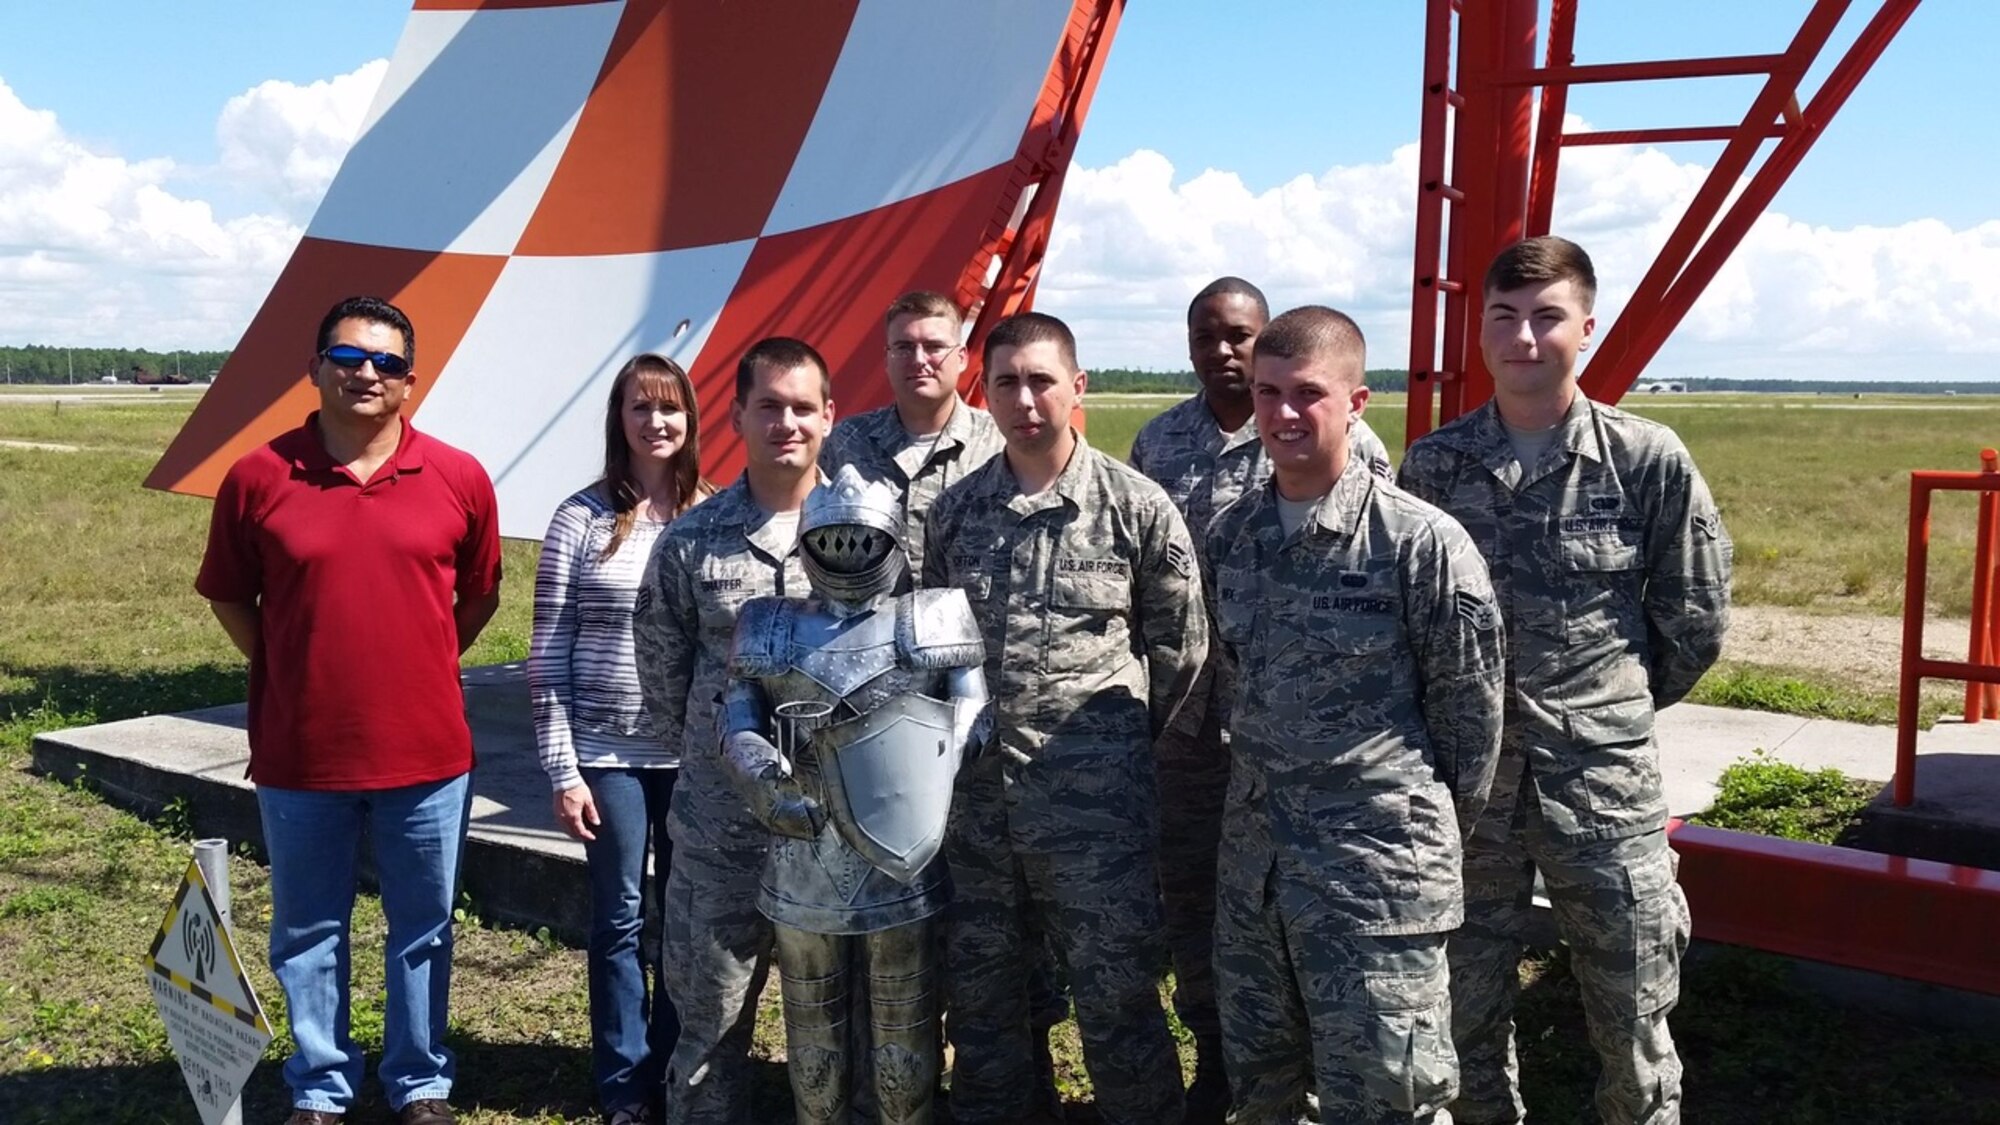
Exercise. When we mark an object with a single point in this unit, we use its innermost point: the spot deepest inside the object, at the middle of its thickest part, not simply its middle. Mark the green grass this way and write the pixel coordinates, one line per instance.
(83, 888)
(1816, 492)
(1760, 1050)
(100, 611)
(100, 622)
(1801, 691)
(1763, 795)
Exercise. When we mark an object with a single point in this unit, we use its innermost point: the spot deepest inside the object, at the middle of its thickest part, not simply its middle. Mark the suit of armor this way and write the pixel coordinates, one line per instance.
(846, 717)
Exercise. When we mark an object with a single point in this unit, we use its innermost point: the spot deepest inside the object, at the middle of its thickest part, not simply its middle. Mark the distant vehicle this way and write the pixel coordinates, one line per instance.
(145, 378)
(111, 379)
(1661, 388)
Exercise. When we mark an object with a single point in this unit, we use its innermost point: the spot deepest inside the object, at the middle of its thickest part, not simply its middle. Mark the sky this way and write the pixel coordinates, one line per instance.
(158, 162)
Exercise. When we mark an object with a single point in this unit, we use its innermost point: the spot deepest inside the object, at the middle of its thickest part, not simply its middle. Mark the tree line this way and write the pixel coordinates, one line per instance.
(1125, 380)
(1834, 387)
(1130, 381)
(40, 363)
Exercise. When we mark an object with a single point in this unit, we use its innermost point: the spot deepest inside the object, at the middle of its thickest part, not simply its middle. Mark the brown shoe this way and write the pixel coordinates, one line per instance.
(312, 1117)
(427, 1111)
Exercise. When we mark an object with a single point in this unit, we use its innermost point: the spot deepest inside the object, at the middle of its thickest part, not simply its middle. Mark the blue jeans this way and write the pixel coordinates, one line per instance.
(632, 1027)
(314, 837)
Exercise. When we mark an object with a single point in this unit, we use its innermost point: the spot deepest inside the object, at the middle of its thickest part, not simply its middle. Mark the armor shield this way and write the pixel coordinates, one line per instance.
(888, 776)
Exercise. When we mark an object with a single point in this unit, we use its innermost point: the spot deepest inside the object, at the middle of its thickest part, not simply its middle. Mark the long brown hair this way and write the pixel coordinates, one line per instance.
(659, 379)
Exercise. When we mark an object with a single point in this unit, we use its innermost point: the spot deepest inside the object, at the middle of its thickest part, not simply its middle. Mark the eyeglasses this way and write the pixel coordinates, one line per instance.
(932, 349)
(388, 365)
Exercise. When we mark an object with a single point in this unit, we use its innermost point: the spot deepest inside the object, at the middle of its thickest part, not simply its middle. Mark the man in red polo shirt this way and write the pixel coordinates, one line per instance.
(352, 560)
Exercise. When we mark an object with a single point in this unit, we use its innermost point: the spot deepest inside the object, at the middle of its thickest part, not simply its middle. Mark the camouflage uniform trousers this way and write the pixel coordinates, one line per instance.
(1048, 1002)
(1306, 1002)
(718, 954)
(1100, 908)
(1193, 783)
(1626, 923)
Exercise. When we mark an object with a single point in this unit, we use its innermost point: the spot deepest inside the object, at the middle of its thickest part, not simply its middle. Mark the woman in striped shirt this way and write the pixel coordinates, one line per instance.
(611, 774)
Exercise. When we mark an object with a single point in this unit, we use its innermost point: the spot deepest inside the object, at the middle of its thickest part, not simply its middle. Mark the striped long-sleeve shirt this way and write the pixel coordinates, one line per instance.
(581, 672)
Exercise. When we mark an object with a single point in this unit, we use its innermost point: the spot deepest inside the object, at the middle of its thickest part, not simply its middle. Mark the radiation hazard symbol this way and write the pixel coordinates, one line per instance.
(214, 1022)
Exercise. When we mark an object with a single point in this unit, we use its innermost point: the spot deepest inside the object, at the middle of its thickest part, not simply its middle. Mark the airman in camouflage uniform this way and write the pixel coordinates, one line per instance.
(1084, 582)
(741, 544)
(929, 437)
(1205, 453)
(1612, 568)
(1364, 730)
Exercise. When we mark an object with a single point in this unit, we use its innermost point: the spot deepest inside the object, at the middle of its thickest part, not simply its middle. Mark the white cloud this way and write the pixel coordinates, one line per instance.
(100, 248)
(96, 248)
(1132, 243)
(288, 140)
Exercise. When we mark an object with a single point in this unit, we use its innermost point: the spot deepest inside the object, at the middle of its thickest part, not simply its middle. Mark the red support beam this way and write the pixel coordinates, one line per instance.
(1663, 136)
(1491, 139)
(1986, 539)
(1719, 67)
(1630, 351)
(1516, 137)
(1485, 181)
(1473, 150)
(1020, 248)
(1613, 371)
(1549, 120)
(1907, 918)
(1915, 667)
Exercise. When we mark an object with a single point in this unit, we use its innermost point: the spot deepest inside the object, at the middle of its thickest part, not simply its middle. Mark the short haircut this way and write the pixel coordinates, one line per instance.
(1314, 332)
(1231, 287)
(1539, 261)
(924, 304)
(374, 310)
(779, 353)
(1022, 329)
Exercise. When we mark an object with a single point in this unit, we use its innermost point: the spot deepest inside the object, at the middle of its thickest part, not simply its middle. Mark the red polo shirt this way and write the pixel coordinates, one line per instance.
(354, 683)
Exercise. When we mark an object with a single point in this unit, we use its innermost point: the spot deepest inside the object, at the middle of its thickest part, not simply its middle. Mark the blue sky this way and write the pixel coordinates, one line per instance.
(1302, 86)
(1294, 86)
(1265, 93)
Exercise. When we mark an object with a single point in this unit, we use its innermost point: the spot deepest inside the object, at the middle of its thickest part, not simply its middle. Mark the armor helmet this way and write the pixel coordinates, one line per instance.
(852, 534)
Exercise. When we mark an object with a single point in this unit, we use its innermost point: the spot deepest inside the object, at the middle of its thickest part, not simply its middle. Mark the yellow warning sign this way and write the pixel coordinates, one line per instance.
(213, 1020)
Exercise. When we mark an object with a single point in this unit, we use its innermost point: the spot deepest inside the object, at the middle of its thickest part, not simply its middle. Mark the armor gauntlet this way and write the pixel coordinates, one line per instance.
(971, 710)
(759, 772)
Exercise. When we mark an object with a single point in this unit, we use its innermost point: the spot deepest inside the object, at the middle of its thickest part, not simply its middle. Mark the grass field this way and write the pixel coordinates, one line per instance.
(99, 622)
(83, 887)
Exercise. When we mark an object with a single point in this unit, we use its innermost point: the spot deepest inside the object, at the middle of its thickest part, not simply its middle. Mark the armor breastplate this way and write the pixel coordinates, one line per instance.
(857, 665)
(853, 663)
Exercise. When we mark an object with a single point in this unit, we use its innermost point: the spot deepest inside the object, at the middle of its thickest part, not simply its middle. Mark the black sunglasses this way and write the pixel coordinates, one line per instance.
(388, 365)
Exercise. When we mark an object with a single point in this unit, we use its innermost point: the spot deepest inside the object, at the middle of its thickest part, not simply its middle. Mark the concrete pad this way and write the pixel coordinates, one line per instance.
(519, 868)
(1697, 743)
(1956, 816)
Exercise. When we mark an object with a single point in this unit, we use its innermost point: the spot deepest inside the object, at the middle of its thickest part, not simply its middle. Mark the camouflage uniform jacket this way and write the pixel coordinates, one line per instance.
(1090, 604)
(1366, 724)
(1204, 471)
(707, 563)
(918, 468)
(1612, 567)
